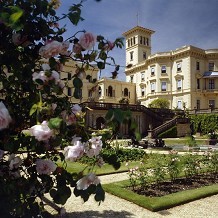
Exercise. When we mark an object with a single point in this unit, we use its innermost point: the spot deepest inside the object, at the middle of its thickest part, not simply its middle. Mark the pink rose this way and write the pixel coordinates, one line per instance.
(87, 180)
(109, 46)
(87, 40)
(76, 109)
(94, 147)
(45, 166)
(41, 75)
(51, 49)
(5, 117)
(41, 132)
(74, 152)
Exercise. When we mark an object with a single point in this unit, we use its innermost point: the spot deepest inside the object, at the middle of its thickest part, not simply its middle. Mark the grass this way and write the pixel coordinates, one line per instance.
(75, 167)
(159, 203)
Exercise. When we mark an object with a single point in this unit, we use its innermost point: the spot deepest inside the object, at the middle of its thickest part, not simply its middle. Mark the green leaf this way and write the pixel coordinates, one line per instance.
(103, 55)
(101, 65)
(109, 115)
(100, 193)
(55, 123)
(119, 116)
(17, 15)
(77, 93)
(77, 82)
(33, 109)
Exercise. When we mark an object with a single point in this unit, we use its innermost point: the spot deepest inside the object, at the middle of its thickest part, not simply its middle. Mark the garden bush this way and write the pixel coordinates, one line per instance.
(36, 117)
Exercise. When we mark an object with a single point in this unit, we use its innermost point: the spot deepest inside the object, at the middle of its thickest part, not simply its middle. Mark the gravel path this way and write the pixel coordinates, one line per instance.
(120, 208)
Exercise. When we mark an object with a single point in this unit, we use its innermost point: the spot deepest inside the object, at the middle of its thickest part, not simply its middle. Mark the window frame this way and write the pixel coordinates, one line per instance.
(179, 66)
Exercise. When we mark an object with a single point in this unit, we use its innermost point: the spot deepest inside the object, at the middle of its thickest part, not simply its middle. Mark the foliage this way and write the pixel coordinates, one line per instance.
(36, 117)
(205, 123)
(170, 133)
(160, 103)
(173, 166)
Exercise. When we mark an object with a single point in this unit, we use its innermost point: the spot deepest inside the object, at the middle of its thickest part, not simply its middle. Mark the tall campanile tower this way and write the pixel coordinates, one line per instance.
(138, 44)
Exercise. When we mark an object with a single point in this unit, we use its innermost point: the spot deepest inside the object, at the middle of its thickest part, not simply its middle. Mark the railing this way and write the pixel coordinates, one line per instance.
(132, 107)
(167, 125)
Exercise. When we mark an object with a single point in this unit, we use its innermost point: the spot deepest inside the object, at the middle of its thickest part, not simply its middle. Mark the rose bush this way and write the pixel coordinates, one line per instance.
(40, 128)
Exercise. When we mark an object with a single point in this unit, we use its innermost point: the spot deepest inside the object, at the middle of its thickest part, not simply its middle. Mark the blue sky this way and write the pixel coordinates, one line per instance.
(176, 23)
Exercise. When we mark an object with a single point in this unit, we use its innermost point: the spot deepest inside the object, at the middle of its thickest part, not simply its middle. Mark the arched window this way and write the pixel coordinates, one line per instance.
(110, 91)
(126, 92)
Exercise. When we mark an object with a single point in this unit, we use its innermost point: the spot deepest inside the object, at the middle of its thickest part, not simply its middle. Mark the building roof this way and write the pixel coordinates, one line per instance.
(210, 74)
(138, 28)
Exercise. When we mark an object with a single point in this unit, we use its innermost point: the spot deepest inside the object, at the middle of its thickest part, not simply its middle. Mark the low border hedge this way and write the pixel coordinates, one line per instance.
(159, 203)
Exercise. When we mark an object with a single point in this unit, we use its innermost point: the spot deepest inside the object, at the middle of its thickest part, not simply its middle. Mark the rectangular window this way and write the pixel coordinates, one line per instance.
(144, 55)
(143, 91)
(163, 69)
(131, 79)
(128, 43)
(152, 71)
(198, 84)
(147, 41)
(211, 104)
(131, 56)
(69, 91)
(140, 39)
(179, 66)
(179, 84)
(142, 76)
(197, 65)
(211, 66)
(179, 104)
(153, 87)
(211, 84)
(163, 86)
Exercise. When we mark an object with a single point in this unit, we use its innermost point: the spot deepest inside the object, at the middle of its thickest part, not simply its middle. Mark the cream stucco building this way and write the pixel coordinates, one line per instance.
(185, 76)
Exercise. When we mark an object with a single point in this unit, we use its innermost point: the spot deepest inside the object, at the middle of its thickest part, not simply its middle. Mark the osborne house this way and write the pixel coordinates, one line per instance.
(186, 77)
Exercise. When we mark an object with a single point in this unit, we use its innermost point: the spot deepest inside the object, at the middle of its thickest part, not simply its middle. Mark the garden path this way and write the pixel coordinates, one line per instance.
(120, 208)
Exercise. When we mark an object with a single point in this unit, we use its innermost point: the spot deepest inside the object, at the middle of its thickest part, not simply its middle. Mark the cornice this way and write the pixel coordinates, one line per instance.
(137, 29)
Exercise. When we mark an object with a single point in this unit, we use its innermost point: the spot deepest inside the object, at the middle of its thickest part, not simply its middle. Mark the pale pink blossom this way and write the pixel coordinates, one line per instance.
(1, 153)
(94, 147)
(45, 166)
(76, 109)
(100, 162)
(41, 75)
(41, 132)
(74, 152)
(86, 181)
(5, 117)
(87, 41)
(15, 162)
(53, 48)
(65, 46)
(109, 46)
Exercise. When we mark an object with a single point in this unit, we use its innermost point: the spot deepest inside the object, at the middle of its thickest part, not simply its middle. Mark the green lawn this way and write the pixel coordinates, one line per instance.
(75, 167)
